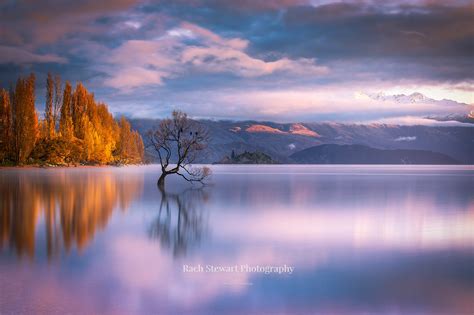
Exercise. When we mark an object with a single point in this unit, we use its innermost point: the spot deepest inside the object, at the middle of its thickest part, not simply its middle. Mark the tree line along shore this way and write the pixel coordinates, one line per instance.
(75, 128)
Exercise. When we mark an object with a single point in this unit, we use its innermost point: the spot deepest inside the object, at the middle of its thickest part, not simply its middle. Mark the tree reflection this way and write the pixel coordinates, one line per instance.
(70, 207)
(180, 223)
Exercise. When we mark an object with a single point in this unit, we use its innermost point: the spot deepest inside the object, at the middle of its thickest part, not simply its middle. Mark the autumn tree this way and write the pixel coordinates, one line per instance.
(91, 142)
(25, 120)
(88, 132)
(5, 126)
(183, 140)
(130, 147)
(48, 111)
(65, 123)
(106, 132)
(139, 145)
(58, 100)
(79, 104)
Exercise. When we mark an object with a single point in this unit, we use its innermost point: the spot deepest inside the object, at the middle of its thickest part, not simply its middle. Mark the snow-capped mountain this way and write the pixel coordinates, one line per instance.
(455, 111)
(412, 98)
(401, 98)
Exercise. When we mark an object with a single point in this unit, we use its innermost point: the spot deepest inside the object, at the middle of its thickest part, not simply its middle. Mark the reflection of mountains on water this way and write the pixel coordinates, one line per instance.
(181, 222)
(73, 205)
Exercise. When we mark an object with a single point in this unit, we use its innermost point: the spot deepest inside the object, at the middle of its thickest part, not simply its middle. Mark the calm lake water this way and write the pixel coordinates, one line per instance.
(361, 240)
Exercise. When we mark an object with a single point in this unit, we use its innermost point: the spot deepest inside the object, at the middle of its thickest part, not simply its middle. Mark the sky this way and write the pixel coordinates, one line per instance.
(281, 60)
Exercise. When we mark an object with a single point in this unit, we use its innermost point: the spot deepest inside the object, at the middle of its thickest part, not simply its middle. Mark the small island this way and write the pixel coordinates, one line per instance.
(246, 157)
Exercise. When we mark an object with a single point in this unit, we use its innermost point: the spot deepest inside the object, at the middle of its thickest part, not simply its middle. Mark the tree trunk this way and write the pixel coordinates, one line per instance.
(161, 181)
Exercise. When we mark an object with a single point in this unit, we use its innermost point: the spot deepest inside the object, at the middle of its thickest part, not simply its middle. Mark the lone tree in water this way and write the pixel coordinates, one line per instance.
(178, 142)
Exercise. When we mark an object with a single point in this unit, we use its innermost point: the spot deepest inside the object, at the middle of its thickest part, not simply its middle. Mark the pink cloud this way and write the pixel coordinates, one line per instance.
(229, 59)
(142, 62)
(149, 62)
(202, 32)
(135, 76)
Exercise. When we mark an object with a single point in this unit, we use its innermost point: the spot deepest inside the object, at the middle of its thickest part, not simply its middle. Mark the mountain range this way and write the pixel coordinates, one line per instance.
(460, 112)
(282, 140)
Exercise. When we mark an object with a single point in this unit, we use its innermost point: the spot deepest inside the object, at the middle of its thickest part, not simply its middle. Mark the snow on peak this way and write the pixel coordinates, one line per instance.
(400, 98)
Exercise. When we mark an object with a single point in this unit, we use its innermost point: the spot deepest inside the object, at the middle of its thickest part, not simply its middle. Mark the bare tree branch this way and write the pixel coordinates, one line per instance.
(182, 140)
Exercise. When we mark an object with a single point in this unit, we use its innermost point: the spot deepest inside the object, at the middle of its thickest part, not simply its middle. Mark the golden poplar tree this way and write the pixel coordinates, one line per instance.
(78, 110)
(5, 126)
(139, 147)
(126, 142)
(90, 141)
(25, 120)
(88, 131)
(58, 100)
(108, 131)
(48, 111)
(66, 127)
(130, 147)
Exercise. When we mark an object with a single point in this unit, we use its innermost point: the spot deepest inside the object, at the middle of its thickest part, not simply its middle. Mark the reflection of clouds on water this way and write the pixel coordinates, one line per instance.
(371, 229)
(412, 210)
(359, 244)
(69, 205)
(344, 190)
(139, 267)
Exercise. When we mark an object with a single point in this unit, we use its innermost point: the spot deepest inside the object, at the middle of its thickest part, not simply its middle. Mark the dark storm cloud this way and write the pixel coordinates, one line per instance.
(31, 22)
(418, 33)
(437, 38)
(347, 30)
(42, 36)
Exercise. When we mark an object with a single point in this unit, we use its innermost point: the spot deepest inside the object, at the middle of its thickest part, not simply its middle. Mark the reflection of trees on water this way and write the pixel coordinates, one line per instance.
(180, 223)
(72, 205)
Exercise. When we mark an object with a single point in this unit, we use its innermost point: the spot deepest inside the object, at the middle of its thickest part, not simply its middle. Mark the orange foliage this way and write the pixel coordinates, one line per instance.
(87, 132)
(24, 119)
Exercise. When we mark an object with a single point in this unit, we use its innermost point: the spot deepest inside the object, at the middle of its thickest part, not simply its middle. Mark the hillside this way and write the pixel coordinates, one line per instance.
(281, 140)
(360, 154)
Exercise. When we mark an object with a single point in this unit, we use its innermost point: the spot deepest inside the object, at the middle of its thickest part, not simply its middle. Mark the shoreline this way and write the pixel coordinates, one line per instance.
(65, 166)
(461, 166)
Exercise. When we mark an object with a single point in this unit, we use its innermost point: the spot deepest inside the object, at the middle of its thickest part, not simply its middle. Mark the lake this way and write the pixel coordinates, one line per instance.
(258, 240)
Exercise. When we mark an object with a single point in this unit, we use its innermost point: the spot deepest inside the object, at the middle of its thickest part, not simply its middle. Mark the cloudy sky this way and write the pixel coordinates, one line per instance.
(283, 60)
